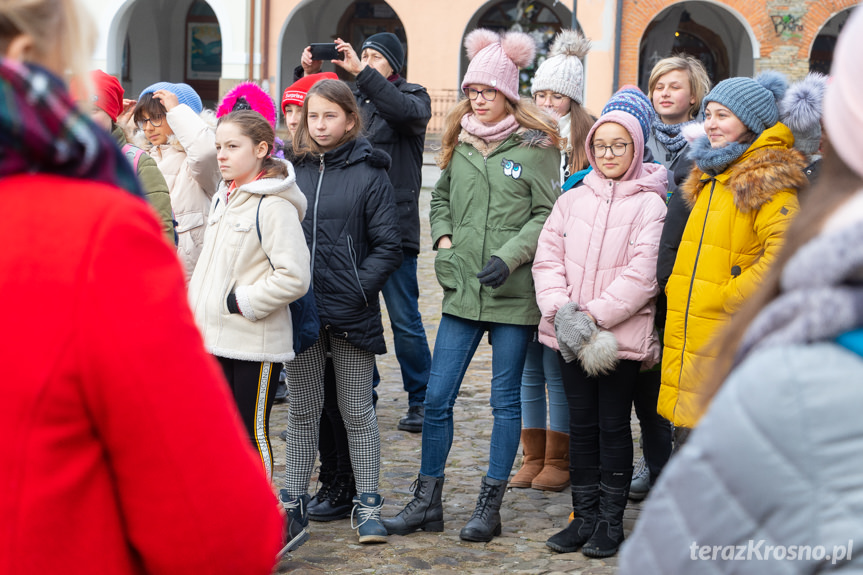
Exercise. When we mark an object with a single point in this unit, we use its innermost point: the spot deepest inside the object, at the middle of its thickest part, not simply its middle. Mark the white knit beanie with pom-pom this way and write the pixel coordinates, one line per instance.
(495, 60)
(562, 71)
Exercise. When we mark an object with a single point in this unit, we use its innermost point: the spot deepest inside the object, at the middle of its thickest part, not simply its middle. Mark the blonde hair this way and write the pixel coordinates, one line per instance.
(59, 28)
(526, 113)
(699, 82)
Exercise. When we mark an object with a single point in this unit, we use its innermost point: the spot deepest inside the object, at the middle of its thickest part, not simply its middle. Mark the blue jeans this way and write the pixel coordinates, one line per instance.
(401, 294)
(541, 369)
(457, 340)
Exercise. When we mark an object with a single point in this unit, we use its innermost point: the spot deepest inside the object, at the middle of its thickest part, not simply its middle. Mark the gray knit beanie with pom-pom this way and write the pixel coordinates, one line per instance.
(562, 72)
(754, 102)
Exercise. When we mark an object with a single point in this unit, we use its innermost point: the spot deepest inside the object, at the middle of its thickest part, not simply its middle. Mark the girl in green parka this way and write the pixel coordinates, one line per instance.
(501, 176)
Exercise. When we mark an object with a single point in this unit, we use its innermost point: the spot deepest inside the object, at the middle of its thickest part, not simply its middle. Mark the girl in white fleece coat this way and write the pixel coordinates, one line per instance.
(254, 263)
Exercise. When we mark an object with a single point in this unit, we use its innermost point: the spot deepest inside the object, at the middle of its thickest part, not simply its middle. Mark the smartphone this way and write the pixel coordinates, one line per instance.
(325, 52)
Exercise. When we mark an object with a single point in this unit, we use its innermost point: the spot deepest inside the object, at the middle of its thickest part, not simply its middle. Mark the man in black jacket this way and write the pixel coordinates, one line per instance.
(395, 114)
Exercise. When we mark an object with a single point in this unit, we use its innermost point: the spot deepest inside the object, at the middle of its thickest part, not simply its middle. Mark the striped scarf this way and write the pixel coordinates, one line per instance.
(42, 131)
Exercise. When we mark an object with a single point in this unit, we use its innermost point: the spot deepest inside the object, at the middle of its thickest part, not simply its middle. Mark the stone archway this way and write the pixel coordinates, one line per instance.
(147, 43)
(821, 54)
(705, 30)
(305, 25)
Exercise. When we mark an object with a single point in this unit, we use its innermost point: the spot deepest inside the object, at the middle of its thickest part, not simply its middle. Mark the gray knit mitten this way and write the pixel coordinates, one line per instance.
(573, 329)
(580, 338)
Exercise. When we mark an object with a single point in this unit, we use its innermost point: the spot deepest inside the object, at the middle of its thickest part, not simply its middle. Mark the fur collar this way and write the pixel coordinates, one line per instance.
(528, 138)
(755, 178)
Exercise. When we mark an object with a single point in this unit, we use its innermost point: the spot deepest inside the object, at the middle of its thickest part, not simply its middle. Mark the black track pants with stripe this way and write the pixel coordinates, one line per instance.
(253, 384)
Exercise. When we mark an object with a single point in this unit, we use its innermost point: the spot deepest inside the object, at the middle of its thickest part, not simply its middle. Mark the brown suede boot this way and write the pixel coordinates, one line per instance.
(555, 473)
(533, 447)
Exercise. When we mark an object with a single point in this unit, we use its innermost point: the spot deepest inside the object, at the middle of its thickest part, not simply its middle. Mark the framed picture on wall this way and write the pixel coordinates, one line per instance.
(204, 49)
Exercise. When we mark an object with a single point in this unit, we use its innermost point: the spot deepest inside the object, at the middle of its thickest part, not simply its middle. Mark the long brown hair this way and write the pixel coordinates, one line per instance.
(338, 93)
(580, 123)
(526, 113)
(835, 185)
(255, 127)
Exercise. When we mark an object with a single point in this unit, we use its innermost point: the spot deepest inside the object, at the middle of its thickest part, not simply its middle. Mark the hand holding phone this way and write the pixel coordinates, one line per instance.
(325, 51)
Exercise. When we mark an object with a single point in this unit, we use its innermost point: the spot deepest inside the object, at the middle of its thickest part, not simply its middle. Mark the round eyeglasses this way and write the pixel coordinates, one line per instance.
(153, 122)
(489, 94)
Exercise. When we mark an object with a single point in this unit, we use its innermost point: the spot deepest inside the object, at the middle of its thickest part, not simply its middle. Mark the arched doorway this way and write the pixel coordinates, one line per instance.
(541, 20)
(704, 30)
(358, 21)
(363, 19)
(821, 55)
(150, 42)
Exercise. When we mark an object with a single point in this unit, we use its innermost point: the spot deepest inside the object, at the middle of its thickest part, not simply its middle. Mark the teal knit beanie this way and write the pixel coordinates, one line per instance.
(755, 102)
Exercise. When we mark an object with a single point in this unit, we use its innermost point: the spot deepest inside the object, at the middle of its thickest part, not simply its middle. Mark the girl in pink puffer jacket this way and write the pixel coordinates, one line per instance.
(595, 276)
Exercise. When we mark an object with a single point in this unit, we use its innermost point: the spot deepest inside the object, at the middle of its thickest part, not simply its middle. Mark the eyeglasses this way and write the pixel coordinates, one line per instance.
(489, 94)
(153, 122)
(546, 96)
(617, 149)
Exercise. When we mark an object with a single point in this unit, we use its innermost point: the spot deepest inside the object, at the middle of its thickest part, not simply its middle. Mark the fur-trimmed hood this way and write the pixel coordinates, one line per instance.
(769, 166)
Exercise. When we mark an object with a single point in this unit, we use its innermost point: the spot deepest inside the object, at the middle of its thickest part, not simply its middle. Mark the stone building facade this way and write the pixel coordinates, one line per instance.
(214, 44)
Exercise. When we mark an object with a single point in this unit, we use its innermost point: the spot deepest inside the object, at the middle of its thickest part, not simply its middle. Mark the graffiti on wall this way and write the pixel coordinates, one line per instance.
(787, 26)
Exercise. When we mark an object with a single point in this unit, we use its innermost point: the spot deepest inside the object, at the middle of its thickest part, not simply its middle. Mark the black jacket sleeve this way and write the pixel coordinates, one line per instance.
(407, 108)
(669, 242)
(384, 241)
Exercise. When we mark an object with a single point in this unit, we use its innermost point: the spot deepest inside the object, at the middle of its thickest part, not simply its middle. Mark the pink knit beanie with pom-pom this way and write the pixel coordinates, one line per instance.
(495, 59)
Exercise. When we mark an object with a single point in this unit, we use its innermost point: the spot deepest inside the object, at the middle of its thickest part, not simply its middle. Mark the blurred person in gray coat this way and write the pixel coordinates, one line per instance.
(771, 480)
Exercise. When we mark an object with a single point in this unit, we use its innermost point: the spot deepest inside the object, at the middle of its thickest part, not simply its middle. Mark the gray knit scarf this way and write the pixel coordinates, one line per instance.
(821, 294)
(670, 135)
(711, 160)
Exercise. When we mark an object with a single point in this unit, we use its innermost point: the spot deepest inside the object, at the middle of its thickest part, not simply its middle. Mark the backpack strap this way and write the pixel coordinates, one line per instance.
(133, 154)
(258, 228)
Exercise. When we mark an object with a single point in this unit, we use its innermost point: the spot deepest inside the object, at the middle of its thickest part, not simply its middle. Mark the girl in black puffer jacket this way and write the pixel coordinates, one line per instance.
(352, 231)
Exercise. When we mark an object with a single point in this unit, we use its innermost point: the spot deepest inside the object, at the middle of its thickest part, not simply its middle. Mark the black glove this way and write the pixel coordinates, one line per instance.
(232, 304)
(494, 273)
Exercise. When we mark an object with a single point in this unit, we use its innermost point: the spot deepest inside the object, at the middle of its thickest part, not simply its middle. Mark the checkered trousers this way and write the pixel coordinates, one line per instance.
(353, 369)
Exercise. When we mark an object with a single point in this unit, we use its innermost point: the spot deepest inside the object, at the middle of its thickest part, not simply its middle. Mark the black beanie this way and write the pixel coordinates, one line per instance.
(390, 46)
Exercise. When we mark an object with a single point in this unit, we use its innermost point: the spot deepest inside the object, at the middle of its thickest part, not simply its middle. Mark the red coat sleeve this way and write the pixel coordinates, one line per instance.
(192, 492)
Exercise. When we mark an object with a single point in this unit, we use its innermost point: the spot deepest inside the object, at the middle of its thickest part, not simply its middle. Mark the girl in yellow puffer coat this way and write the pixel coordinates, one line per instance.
(743, 194)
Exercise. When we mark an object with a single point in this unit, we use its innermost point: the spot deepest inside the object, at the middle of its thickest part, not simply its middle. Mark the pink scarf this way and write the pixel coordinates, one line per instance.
(489, 132)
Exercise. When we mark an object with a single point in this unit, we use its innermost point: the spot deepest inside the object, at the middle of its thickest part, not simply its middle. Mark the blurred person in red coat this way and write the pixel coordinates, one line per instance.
(106, 465)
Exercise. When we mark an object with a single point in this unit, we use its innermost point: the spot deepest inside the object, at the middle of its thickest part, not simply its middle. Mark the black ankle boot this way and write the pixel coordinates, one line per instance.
(327, 480)
(339, 501)
(423, 512)
(484, 524)
(613, 491)
(585, 506)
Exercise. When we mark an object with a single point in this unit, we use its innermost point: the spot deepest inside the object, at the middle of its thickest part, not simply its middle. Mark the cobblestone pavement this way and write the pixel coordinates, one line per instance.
(529, 516)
